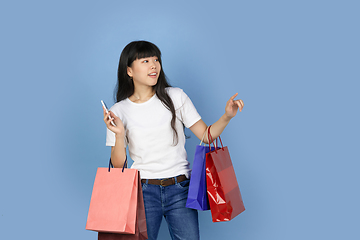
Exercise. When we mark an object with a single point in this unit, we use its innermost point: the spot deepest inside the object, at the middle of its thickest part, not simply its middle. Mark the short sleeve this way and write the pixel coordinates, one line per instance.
(185, 109)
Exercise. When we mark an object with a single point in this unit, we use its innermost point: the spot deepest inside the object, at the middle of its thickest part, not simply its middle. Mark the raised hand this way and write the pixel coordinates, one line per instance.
(232, 106)
(119, 128)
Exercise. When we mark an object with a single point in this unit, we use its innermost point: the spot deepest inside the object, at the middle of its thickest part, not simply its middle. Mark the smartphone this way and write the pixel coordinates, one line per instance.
(106, 109)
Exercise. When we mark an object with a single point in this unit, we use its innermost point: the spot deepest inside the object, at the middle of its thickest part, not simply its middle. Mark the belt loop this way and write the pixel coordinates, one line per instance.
(175, 180)
(147, 180)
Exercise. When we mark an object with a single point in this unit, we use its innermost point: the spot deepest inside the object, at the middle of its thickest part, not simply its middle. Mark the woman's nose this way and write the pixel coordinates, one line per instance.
(153, 65)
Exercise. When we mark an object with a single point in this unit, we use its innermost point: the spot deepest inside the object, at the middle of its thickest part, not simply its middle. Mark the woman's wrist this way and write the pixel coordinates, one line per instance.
(226, 118)
(119, 136)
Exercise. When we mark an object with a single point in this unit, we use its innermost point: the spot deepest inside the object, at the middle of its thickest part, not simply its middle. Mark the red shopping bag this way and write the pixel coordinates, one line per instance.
(117, 204)
(222, 187)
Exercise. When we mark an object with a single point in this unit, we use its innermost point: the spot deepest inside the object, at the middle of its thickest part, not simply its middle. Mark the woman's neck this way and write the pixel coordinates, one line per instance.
(143, 95)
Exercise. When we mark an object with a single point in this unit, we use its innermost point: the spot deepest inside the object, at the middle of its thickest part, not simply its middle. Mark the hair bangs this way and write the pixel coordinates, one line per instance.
(143, 49)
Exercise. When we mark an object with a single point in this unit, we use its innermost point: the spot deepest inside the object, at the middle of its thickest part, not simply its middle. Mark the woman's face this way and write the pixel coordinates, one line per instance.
(145, 71)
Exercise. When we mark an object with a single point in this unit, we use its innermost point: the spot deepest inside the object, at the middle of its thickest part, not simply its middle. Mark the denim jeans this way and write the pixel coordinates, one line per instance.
(170, 202)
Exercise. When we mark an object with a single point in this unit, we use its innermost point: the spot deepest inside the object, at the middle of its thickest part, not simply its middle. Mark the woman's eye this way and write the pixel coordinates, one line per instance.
(145, 61)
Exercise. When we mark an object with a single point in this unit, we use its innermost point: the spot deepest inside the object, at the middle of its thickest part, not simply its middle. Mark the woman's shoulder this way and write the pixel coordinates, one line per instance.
(177, 95)
(117, 107)
(174, 91)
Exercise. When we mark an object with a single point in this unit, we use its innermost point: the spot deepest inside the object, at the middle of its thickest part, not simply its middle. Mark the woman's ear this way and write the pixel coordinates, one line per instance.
(129, 72)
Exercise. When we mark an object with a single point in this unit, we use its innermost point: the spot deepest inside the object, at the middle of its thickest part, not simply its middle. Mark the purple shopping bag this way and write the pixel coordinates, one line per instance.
(197, 195)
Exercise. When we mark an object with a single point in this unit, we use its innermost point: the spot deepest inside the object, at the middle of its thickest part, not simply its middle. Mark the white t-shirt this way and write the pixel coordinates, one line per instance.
(149, 135)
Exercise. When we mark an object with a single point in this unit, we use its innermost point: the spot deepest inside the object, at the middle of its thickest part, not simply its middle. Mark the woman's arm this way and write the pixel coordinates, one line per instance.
(232, 106)
(118, 152)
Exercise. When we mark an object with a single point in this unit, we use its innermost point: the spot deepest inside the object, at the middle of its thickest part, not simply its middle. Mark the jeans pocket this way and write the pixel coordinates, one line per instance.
(183, 184)
(144, 186)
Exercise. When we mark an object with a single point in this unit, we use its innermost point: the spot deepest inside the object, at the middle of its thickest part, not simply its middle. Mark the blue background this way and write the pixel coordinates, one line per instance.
(295, 146)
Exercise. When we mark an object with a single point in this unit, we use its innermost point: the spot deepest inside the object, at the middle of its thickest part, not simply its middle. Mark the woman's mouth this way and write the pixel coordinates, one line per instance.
(154, 74)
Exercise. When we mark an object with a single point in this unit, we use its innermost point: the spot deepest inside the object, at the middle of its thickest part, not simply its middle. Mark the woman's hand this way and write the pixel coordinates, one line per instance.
(119, 128)
(232, 106)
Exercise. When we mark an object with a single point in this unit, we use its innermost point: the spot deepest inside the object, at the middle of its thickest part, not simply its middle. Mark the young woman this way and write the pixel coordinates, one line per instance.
(149, 116)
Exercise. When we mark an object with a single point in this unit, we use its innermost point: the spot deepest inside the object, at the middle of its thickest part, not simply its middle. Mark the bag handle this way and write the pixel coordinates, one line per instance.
(111, 165)
(211, 141)
(202, 140)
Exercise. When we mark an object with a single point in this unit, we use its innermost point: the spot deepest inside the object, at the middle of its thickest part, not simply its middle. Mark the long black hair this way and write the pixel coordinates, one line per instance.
(125, 85)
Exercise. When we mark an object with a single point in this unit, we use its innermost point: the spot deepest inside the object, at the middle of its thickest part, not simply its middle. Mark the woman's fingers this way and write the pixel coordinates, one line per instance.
(233, 97)
(240, 104)
(232, 101)
(108, 118)
(104, 110)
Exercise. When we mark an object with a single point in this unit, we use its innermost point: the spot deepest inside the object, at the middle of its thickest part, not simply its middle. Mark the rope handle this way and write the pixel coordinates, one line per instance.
(211, 141)
(202, 140)
(111, 165)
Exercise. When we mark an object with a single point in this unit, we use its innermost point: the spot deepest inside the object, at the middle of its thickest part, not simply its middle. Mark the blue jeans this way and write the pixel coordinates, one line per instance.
(170, 202)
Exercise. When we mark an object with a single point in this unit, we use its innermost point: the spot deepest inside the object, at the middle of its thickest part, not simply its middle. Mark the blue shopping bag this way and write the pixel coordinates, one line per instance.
(197, 195)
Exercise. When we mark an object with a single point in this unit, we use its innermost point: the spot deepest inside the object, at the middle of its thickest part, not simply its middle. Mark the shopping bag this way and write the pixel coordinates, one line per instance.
(114, 200)
(222, 187)
(197, 195)
(140, 223)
